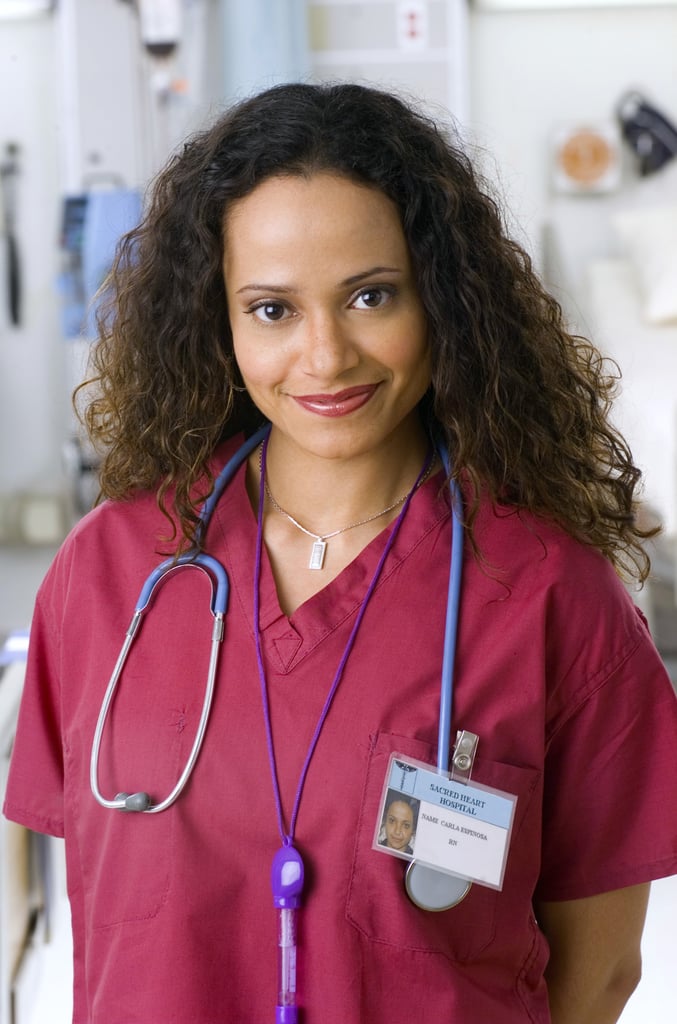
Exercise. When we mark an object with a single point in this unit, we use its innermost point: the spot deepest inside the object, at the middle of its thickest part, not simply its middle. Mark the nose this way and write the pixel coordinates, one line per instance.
(328, 350)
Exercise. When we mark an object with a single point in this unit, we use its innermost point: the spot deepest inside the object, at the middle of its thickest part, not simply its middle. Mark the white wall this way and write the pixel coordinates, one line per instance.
(531, 70)
(33, 406)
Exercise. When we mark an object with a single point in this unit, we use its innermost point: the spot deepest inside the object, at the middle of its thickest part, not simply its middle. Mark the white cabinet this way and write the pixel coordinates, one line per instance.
(35, 944)
(416, 47)
(16, 890)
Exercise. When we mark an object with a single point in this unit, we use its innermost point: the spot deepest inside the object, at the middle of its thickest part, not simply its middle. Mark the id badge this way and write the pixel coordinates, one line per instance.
(459, 828)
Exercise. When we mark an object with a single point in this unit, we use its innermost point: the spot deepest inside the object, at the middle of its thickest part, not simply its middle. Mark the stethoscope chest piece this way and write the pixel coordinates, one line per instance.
(434, 890)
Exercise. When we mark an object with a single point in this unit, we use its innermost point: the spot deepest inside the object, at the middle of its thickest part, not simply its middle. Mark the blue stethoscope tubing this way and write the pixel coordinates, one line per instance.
(451, 620)
(195, 559)
(219, 605)
(428, 888)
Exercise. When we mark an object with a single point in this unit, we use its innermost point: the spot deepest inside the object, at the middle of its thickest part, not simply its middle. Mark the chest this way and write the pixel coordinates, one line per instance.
(389, 678)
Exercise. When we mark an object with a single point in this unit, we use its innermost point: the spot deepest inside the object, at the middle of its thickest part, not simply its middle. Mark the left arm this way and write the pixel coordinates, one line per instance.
(595, 961)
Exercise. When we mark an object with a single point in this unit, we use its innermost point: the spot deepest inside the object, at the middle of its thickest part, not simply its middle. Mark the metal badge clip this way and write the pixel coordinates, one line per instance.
(464, 755)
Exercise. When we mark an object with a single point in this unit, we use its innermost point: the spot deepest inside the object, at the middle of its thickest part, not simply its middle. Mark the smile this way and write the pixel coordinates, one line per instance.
(339, 404)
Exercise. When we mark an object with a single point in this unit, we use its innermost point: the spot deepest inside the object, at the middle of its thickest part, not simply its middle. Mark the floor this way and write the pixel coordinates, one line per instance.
(45, 985)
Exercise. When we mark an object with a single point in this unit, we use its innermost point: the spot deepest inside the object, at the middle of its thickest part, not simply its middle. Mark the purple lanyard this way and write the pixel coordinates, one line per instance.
(287, 871)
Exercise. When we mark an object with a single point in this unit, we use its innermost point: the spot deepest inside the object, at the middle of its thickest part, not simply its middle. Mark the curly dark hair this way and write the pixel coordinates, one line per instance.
(521, 403)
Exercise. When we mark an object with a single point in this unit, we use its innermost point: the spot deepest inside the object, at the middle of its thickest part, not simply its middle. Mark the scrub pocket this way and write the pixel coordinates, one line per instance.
(126, 860)
(377, 903)
(131, 877)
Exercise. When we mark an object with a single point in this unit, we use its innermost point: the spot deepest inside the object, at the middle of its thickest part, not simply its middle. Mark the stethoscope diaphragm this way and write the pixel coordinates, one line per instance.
(434, 890)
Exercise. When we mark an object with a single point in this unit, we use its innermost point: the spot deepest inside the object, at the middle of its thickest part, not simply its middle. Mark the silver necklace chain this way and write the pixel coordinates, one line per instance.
(319, 548)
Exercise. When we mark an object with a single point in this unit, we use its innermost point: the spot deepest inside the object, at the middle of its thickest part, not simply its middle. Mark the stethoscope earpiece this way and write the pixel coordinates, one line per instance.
(434, 890)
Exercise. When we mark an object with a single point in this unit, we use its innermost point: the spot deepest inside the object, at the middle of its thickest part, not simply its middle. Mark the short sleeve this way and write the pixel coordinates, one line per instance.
(610, 798)
(34, 795)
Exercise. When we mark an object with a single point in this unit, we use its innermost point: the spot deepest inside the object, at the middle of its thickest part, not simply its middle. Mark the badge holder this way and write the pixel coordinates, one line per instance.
(454, 832)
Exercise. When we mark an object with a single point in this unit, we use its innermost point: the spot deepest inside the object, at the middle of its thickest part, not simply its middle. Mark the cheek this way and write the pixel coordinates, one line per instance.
(413, 351)
(257, 363)
(416, 373)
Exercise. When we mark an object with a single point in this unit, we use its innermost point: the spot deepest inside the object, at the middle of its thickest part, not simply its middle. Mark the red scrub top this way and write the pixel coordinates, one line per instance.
(172, 913)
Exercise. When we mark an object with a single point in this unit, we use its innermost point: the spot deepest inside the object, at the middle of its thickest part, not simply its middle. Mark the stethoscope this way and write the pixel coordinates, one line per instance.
(426, 887)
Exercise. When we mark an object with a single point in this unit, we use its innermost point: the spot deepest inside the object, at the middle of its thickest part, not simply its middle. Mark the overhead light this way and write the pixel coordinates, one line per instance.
(15, 9)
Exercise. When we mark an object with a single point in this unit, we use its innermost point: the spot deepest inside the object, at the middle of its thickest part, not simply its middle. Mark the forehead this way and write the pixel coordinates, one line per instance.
(319, 209)
(400, 809)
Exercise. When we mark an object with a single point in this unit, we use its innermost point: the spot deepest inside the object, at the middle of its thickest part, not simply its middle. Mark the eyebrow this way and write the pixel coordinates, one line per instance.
(276, 289)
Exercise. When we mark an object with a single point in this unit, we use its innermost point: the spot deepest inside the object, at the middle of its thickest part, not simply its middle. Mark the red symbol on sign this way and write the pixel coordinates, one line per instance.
(412, 29)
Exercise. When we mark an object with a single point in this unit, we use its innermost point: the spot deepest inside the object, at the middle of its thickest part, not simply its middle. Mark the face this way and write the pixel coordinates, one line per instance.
(328, 329)
(399, 825)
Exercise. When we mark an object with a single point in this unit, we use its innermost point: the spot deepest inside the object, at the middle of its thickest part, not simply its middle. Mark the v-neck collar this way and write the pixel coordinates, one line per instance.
(289, 639)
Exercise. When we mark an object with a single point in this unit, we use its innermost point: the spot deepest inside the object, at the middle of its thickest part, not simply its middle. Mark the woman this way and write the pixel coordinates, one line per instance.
(398, 825)
(323, 260)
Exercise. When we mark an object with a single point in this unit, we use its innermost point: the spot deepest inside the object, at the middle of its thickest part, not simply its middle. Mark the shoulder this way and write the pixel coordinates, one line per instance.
(559, 595)
(524, 551)
(114, 525)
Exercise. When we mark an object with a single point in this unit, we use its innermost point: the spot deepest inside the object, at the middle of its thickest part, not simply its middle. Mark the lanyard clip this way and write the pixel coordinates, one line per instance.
(463, 757)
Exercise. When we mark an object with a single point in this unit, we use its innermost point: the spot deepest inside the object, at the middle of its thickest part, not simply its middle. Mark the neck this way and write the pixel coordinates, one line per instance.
(327, 494)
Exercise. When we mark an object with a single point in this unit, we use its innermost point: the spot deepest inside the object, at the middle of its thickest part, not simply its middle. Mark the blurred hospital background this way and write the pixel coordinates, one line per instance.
(570, 108)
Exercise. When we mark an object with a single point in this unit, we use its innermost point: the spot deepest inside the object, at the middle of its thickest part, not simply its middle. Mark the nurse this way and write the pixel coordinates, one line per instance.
(398, 824)
(325, 260)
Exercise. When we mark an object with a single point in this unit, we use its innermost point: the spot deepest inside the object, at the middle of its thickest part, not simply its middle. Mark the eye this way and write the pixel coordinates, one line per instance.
(269, 312)
(372, 298)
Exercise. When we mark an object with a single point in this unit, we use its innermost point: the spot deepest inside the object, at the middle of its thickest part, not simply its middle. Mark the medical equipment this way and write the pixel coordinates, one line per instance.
(9, 172)
(219, 604)
(160, 23)
(648, 132)
(426, 887)
(429, 889)
(92, 224)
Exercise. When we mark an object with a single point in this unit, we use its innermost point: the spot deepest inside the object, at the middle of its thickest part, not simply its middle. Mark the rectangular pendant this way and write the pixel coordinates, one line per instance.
(317, 554)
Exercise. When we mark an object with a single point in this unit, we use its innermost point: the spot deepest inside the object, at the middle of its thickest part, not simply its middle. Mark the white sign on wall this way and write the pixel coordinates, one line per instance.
(412, 25)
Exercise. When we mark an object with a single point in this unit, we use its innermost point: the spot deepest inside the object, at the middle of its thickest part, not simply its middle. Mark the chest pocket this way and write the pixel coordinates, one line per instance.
(125, 859)
(377, 904)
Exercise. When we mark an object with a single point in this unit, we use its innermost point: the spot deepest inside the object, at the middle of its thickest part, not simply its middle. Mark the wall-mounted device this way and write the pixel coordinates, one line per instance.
(160, 22)
(649, 133)
(93, 223)
(9, 172)
(586, 157)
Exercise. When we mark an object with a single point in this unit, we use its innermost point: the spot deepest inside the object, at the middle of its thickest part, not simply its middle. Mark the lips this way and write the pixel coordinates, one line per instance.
(341, 403)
